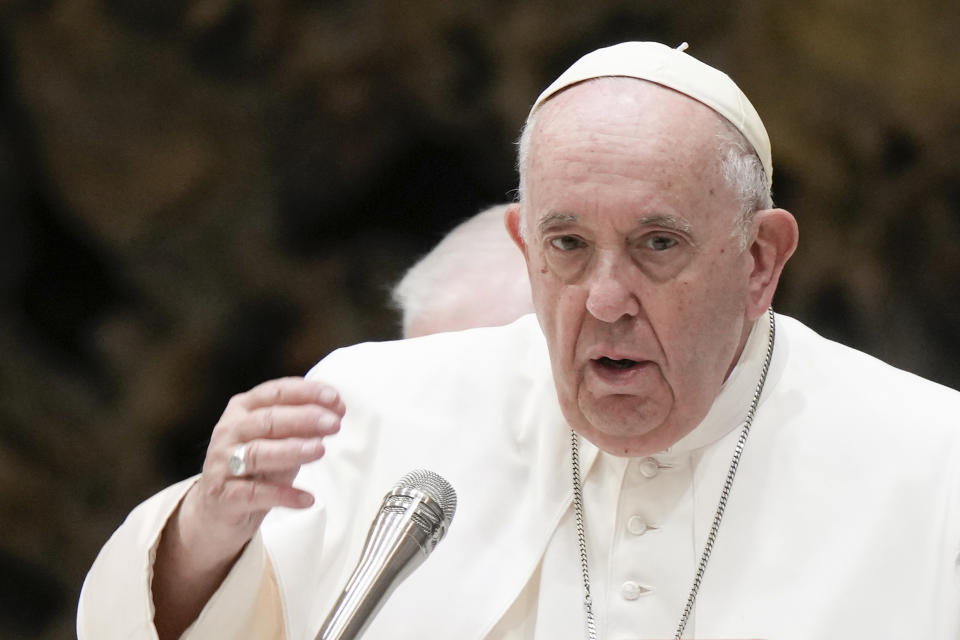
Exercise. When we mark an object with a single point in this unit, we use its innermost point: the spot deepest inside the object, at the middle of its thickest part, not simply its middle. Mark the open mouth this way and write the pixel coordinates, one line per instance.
(608, 363)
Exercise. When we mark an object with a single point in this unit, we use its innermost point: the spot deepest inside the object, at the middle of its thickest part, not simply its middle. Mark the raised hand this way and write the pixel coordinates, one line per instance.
(256, 449)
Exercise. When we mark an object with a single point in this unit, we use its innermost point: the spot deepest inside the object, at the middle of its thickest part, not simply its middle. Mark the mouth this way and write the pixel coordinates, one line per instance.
(619, 372)
(616, 365)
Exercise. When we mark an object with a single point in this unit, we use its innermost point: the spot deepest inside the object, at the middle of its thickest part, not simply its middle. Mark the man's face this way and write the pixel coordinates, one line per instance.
(638, 279)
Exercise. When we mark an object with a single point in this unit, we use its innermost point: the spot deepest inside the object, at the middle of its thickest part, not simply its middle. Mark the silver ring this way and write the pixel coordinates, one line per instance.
(237, 462)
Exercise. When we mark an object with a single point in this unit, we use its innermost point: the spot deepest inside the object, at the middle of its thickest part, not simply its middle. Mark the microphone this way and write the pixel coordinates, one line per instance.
(413, 518)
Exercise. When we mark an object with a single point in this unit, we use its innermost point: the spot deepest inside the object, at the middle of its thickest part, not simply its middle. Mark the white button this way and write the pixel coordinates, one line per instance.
(649, 467)
(637, 526)
(631, 590)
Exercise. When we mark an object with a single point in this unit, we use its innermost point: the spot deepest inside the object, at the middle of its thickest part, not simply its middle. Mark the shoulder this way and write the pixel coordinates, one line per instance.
(458, 389)
(848, 415)
(852, 384)
(812, 352)
(491, 355)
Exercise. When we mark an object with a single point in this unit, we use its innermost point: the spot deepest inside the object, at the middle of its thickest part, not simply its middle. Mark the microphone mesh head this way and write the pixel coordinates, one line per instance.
(435, 487)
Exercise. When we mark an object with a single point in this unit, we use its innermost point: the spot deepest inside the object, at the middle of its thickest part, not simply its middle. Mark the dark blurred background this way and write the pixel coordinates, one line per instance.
(198, 196)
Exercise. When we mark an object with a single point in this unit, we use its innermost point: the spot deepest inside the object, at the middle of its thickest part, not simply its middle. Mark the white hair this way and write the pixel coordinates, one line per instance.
(475, 276)
(740, 168)
(743, 172)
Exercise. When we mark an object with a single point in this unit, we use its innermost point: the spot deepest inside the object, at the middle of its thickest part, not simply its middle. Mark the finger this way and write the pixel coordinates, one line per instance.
(290, 391)
(278, 456)
(242, 497)
(303, 421)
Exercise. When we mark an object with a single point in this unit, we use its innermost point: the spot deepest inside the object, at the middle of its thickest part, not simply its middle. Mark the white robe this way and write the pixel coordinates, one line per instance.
(844, 518)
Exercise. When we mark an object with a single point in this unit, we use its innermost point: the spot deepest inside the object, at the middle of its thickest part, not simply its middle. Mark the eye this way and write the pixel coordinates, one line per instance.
(566, 243)
(660, 242)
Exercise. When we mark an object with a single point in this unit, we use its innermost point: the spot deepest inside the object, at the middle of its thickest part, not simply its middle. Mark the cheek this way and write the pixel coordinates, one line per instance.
(560, 310)
(693, 311)
(717, 286)
(545, 286)
(706, 323)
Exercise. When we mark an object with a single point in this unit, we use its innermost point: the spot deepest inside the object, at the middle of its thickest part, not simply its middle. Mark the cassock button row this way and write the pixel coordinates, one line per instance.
(637, 526)
(630, 590)
(649, 467)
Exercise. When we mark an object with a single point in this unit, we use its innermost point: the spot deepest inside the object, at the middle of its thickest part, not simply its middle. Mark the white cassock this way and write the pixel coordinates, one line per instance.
(843, 521)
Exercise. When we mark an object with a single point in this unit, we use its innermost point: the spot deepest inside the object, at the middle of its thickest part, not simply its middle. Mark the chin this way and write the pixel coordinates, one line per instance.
(620, 437)
(626, 446)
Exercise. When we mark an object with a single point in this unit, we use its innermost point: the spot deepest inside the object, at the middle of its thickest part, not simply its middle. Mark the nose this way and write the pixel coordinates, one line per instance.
(609, 298)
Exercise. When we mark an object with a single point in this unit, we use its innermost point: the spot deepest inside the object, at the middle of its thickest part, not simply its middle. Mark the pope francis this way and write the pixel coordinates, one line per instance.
(654, 454)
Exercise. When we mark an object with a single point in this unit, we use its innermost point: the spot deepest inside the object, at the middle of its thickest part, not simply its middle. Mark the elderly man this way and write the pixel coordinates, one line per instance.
(656, 454)
(474, 277)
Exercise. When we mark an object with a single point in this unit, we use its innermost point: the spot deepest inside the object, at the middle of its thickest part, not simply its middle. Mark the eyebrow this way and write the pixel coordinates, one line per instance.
(665, 220)
(552, 219)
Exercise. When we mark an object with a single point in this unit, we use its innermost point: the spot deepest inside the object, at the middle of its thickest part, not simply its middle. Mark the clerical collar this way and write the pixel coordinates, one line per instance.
(730, 406)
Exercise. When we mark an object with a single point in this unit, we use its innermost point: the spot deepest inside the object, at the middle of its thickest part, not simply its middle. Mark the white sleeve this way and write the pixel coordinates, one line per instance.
(116, 599)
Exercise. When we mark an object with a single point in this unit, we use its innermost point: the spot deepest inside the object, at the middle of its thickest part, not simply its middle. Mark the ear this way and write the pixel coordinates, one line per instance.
(775, 235)
(512, 220)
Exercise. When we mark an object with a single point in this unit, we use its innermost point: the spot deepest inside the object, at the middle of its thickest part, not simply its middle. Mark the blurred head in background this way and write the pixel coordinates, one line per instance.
(475, 277)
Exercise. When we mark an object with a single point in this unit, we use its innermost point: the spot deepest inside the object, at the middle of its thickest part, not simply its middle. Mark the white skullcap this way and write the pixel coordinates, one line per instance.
(679, 71)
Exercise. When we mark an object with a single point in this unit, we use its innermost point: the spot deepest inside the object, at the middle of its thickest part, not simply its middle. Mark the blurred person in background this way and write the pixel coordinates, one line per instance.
(474, 277)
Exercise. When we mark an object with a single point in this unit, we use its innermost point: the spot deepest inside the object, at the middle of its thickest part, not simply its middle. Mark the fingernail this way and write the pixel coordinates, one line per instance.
(328, 396)
(326, 421)
(304, 499)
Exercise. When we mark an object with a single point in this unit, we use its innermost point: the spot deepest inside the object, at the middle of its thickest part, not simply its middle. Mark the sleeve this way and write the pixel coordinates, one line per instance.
(116, 600)
(246, 606)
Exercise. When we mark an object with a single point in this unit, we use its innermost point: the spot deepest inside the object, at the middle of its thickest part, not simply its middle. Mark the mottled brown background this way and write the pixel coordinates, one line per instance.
(197, 196)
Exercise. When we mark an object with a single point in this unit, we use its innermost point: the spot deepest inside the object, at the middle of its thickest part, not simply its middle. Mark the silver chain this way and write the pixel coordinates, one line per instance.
(581, 539)
(717, 518)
